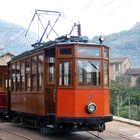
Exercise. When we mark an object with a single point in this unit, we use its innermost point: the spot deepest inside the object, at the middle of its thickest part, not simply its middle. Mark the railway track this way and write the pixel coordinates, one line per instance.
(119, 134)
(112, 132)
(15, 134)
(97, 136)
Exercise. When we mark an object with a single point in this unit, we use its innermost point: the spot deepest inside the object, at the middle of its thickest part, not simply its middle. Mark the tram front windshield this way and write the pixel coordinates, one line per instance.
(89, 72)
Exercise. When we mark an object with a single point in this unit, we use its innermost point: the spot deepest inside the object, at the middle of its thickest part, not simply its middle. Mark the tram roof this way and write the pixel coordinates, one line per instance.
(64, 40)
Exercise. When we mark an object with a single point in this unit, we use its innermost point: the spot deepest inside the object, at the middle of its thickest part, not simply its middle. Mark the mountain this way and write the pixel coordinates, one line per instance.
(124, 43)
(12, 38)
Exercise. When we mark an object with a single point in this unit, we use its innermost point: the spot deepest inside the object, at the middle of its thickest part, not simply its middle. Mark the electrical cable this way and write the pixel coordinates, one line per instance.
(15, 39)
(104, 6)
(113, 11)
(86, 7)
(83, 11)
(123, 34)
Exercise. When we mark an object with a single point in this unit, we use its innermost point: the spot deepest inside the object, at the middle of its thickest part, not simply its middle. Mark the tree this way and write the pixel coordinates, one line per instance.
(125, 101)
(138, 81)
(119, 94)
(134, 112)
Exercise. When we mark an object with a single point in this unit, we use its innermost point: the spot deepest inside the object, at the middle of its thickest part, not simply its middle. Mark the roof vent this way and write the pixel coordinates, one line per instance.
(84, 39)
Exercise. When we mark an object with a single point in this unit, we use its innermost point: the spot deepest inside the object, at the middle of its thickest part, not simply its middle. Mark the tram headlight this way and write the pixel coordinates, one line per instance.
(91, 108)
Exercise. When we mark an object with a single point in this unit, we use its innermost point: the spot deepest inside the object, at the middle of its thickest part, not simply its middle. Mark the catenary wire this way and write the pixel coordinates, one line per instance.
(86, 7)
(123, 34)
(120, 6)
(104, 6)
(17, 37)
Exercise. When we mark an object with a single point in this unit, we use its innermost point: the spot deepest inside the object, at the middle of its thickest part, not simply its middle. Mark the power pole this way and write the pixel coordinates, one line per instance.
(129, 103)
(118, 106)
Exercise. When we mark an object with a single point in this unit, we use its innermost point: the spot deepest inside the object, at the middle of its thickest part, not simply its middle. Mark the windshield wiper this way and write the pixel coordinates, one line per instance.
(93, 65)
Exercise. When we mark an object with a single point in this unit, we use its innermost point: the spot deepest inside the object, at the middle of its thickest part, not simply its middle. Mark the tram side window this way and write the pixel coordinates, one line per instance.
(40, 71)
(89, 51)
(106, 73)
(0, 82)
(13, 76)
(18, 76)
(51, 70)
(65, 73)
(89, 72)
(105, 53)
(65, 51)
(5, 82)
(9, 81)
(22, 75)
(34, 73)
(28, 74)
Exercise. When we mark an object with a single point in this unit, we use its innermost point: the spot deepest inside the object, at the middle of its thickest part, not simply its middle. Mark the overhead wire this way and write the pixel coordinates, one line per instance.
(86, 7)
(17, 37)
(112, 11)
(105, 5)
(24, 32)
(123, 34)
(100, 9)
(120, 6)
(82, 12)
(65, 17)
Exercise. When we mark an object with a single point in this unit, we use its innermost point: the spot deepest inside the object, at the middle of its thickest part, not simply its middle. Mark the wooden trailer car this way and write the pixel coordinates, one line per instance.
(3, 89)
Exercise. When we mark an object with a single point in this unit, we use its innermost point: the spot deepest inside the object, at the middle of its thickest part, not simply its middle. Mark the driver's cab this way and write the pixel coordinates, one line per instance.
(71, 67)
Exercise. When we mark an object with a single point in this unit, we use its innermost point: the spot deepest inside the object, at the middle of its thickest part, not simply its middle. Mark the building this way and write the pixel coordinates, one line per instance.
(5, 58)
(118, 67)
(133, 74)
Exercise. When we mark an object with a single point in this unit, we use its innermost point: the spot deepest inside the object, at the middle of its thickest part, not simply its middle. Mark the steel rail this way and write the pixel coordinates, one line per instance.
(120, 135)
(95, 135)
(16, 134)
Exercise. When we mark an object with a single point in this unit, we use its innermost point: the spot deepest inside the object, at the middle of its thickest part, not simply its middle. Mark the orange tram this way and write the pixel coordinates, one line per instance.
(61, 85)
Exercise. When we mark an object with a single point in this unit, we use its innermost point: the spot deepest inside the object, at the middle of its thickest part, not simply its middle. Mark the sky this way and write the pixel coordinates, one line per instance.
(97, 17)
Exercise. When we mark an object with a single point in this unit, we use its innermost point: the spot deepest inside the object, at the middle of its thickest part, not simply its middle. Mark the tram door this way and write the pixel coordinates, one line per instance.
(51, 87)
